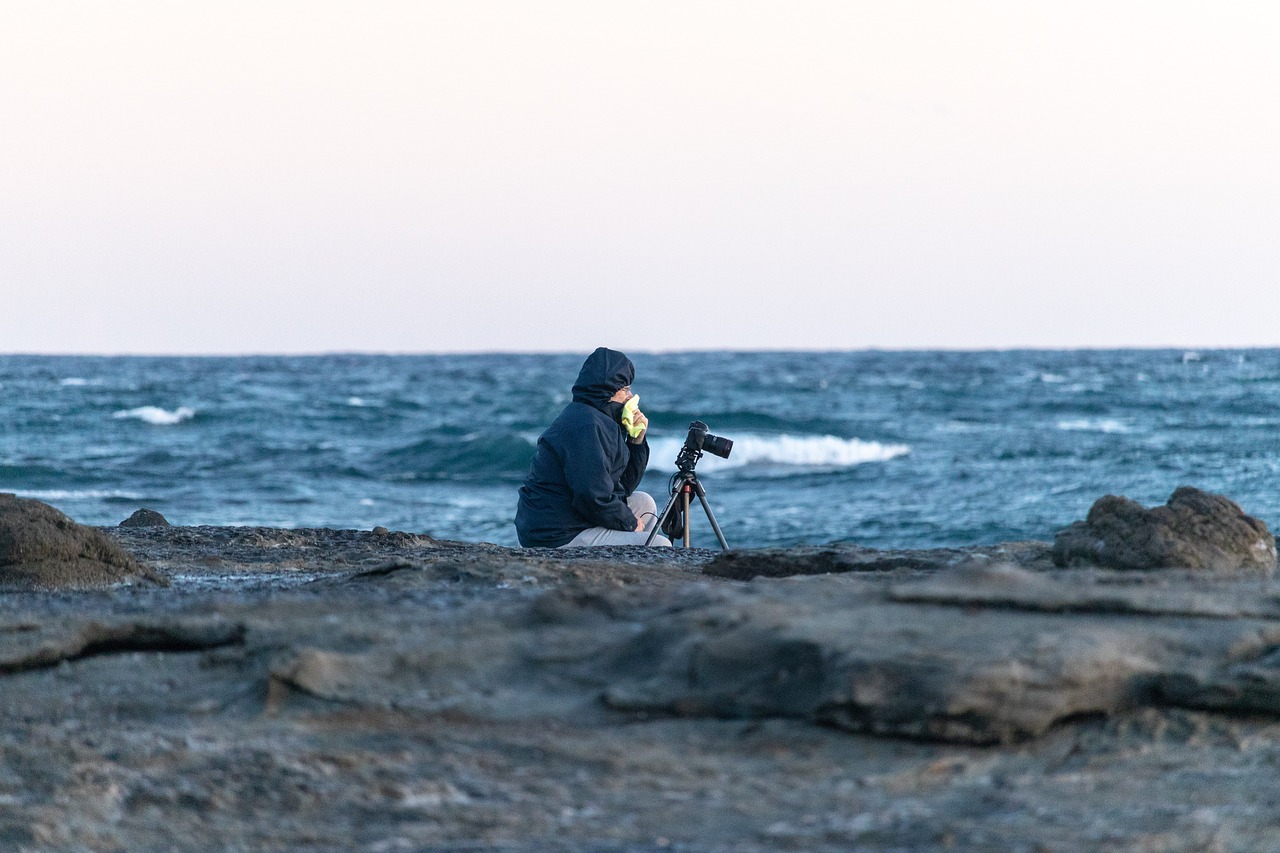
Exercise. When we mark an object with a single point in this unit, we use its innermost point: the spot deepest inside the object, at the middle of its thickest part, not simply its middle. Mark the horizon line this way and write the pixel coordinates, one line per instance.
(321, 353)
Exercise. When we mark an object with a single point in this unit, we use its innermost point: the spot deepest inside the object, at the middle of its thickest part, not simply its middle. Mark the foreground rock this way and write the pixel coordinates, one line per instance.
(979, 655)
(981, 652)
(1194, 530)
(340, 690)
(40, 548)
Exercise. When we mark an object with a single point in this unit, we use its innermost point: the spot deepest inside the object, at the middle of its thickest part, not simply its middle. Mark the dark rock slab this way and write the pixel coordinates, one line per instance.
(1248, 683)
(976, 655)
(145, 518)
(40, 548)
(1194, 530)
(847, 557)
(1007, 586)
(823, 650)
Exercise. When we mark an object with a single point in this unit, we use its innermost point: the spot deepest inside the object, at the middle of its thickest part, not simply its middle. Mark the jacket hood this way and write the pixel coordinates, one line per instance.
(602, 374)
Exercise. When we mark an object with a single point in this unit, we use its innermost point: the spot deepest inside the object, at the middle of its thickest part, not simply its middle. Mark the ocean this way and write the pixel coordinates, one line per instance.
(885, 449)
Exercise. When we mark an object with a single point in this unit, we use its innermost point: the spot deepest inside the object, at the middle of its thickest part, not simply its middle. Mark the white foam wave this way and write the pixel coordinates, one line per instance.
(810, 451)
(158, 416)
(1108, 425)
(75, 494)
(78, 382)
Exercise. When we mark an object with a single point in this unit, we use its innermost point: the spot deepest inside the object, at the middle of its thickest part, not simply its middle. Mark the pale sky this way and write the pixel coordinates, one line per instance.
(224, 177)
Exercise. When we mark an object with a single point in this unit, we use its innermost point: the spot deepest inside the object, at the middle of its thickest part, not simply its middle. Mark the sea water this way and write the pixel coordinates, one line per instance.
(886, 449)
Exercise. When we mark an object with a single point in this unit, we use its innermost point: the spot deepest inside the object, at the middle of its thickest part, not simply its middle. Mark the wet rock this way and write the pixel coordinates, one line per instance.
(1194, 530)
(847, 557)
(145, 518)
(435, 575)
(40, 548)
(260, 549)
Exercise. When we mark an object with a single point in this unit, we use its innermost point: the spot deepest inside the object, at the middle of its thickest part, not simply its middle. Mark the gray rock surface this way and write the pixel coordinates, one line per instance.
(847, 557)
(979, 655)
(1194, 530)
(40, 548)
(145, 518)
(339, 690)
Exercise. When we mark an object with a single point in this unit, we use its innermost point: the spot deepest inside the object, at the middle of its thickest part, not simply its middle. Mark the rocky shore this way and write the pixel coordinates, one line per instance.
(326, 690)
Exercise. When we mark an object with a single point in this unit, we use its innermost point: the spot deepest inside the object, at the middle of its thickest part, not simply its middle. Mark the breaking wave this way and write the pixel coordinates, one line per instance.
(78, 494)
(1107, 425)
(158, 416)
(811, 451)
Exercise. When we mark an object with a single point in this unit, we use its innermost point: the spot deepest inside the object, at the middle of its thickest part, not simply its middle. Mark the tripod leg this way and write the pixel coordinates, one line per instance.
(657, 525)
(684, 493)
(702, 498)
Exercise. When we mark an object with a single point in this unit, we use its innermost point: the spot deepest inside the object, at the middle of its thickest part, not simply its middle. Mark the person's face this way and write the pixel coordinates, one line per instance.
(622, 395)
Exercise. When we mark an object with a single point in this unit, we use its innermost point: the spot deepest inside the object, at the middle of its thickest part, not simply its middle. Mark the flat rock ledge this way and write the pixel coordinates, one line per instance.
(349, 690)
(979, 654)
(846, 557)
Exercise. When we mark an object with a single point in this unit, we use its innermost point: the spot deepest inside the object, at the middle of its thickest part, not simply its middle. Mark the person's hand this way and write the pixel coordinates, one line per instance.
(641, 421)
(639, 525)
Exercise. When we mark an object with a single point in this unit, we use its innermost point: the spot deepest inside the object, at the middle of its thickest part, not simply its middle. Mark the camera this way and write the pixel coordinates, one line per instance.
(684, 485)
(700, 441)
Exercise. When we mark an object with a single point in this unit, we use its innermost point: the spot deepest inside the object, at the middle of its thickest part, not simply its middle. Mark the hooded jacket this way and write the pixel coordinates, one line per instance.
(583, 469)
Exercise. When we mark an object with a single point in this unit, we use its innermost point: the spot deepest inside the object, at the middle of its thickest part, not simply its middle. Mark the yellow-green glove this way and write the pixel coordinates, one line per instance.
(629, 410)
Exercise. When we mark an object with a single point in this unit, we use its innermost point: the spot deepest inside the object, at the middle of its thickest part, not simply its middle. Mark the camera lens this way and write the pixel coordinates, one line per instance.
(717, 446)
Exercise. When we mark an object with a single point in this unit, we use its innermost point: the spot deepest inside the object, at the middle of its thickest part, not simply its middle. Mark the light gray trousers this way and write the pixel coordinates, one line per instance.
(645, 509)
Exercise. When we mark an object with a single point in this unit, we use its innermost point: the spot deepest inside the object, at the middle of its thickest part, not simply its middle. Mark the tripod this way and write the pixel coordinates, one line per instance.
(684, 485)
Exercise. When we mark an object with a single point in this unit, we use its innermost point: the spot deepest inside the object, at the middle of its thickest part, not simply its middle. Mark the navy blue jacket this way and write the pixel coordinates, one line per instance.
(583, 469)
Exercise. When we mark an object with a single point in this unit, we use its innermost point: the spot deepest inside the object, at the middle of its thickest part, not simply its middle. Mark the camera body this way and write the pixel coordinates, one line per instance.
(700, 441)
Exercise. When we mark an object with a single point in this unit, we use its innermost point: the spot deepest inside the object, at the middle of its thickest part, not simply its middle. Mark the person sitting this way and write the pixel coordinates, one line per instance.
(581, 486)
